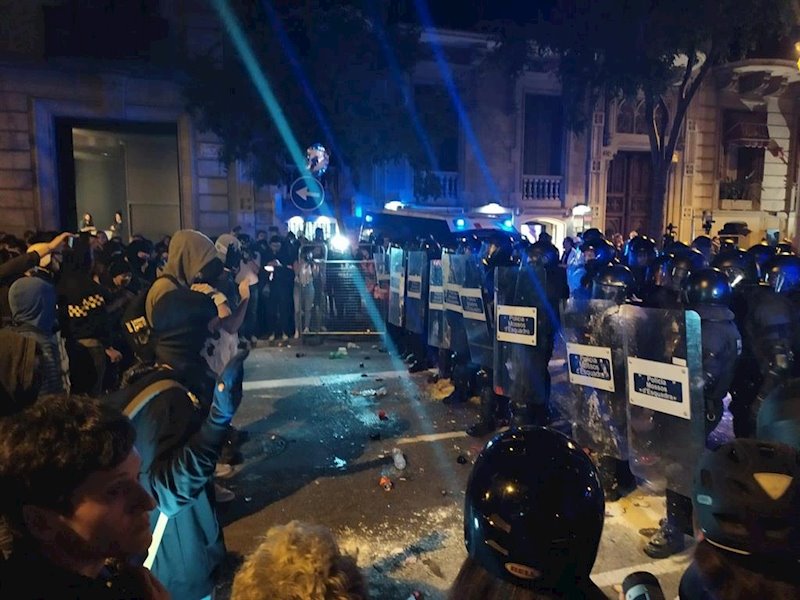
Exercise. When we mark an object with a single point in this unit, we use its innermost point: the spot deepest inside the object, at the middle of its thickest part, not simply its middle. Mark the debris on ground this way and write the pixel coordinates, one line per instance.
(300, 355)
(462, 460)
(353, 346)
(375, 435)
(386, 483)
(382, 415)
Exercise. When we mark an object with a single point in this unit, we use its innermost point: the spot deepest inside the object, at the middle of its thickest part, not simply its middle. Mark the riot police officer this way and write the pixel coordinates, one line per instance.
(761, 253)
(671, 274)
(640, 252)
(597, 252)
(704, 246)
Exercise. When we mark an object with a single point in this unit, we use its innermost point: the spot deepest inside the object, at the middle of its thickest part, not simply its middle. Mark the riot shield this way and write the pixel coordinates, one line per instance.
(416, 291)
(524, 328)
(595, 402)
(436, 337)
(666, 410)
(475, 309)
(380, 292)
(454, 271)
(397, 286)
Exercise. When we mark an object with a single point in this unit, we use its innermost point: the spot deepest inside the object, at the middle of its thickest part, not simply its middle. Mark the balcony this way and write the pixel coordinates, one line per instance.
(436, 187)
(545, 189)
(739, 195)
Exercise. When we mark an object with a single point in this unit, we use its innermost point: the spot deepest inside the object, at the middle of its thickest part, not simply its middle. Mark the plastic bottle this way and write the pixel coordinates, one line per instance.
(399, 459)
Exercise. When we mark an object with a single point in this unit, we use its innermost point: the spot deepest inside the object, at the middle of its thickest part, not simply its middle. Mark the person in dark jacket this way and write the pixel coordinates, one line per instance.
(179, 444)
(85, 322)
(33, 314)
(19, 375)
(75, 505)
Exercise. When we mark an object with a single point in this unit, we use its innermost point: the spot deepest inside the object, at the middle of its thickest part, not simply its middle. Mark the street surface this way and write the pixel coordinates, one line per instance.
(319, 447)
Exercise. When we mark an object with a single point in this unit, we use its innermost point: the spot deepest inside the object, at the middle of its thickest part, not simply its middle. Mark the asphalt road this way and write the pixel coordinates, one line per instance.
(312, 456)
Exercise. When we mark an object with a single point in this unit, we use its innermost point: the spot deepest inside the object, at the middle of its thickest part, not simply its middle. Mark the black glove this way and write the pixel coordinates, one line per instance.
(228, 390)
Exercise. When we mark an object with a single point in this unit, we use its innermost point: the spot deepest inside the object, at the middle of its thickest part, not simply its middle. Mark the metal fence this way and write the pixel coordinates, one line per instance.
(350, 297)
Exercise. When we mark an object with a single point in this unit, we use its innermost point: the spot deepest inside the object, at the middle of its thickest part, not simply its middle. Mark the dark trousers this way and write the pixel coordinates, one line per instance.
(87, 366)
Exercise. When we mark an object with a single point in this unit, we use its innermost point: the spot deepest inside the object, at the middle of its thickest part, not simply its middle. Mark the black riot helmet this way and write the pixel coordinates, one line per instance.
(543, 253)
(676, 248)
(534, 509)
(785, 247)
(740, 267)
(640, 251)
(613, 282)
(685, 263)
(708, 286)
(432, 248)
(499, 253)
(704, 246)
(600, 250)
(761, 253)
(747, 499)
(660, 271)
(783, 273)
(592, 234)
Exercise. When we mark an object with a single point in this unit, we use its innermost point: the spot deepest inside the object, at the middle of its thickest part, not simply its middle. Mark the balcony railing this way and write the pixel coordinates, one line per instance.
(433, 186)
(541, 187)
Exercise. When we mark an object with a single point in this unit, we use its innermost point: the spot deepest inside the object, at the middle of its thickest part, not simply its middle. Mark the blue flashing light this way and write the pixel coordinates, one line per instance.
(508, 224)
(460, 223)
(369, 218)
(359, 212)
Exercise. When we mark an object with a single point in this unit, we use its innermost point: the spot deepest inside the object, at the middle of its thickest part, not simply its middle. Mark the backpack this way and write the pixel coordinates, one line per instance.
(137, 330)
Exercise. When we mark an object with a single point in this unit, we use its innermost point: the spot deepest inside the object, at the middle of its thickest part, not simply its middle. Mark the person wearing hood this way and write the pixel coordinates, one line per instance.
(182, 318)
(33, 313)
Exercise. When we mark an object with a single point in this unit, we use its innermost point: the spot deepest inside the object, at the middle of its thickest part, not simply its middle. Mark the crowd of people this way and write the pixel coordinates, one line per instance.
(122, 369)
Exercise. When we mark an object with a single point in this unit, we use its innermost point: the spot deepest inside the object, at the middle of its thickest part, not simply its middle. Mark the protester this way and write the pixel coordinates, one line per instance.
(76, 510)
(20, 377)
(299, 560)
(533, 516)
(747, 508)
(33, 313)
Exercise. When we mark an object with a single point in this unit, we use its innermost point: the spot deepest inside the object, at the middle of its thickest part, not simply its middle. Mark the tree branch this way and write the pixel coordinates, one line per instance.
(652, 133)
(684, 100)
(687, 74)
(664, 120)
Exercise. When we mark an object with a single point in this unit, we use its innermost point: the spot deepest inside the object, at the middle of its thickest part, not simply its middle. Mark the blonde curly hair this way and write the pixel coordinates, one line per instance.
(299, 561)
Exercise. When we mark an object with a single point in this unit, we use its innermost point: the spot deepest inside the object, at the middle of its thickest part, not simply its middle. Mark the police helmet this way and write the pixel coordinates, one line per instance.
(432, 248)
(785, 247)
(534, 508)
(740, 267)
(676, 248)
(603, 250)
(640, 251)
(543, 253)
(779, 415)
(592, 234)
(499, 253)
(747, 499)
(761, 253)
(613, 282)
(660, 271)
(708, 286)
(783, 273)
(703, 244)
(685, 263)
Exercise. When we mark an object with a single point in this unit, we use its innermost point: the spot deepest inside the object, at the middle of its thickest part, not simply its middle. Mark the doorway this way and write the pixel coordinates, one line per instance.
(105, 167)
(628, 194)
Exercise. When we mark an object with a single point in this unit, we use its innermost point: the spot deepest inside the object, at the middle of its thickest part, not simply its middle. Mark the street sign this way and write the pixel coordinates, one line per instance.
(307, 193)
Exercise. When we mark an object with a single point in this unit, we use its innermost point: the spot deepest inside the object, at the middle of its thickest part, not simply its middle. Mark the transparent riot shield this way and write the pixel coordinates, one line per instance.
(397, 286)
(454, 271)
(475, 309)
(595, 402)
(666, 411)
(380, 293)
(524, 328)
(416, 291)
(436, 337)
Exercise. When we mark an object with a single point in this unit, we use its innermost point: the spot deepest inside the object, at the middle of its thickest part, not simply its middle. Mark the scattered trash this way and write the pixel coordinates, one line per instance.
(382, 415)
(340, 353)
(360, 365)
(462, 460)
(300, 355)
(364, 375)
(367, 358)
(444, 492)
(399, 459)
(380, 392)
(386, 483)
(379, 379)
(648, 531)
(352, 346)
(339, 463)
(641, 504)
(382, 350)
(416, 595)
(375, 435)
(248, 498)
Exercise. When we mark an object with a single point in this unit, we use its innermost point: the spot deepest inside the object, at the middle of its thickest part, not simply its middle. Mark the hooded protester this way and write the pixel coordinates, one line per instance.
(33, 313)
(181, 318)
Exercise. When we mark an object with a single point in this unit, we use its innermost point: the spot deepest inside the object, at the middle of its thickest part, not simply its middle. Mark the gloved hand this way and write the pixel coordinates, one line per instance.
(228, 390)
